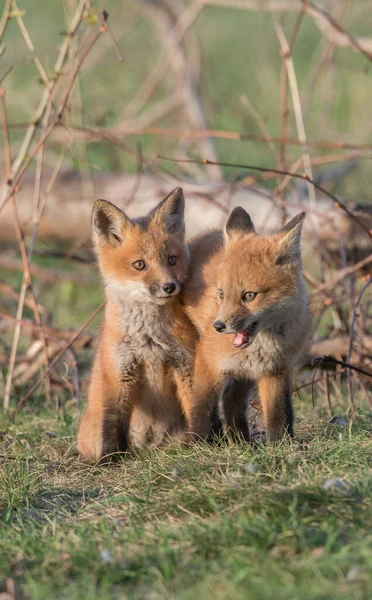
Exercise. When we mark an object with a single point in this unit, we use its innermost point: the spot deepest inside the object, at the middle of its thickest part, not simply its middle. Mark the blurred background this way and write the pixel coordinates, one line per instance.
(95, 103)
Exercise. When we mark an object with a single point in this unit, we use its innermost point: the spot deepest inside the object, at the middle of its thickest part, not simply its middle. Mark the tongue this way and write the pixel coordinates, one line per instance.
(240, 339)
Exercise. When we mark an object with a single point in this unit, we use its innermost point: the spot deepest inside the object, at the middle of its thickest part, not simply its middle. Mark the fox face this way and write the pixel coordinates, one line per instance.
(259, 279)
(147, 257)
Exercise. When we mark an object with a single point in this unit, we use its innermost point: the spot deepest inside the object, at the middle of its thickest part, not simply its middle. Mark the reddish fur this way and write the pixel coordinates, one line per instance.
(246, 261)
(125, 401)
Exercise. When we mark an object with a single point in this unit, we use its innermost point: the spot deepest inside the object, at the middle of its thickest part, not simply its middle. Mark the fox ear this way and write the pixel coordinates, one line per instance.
(169, 214)
(238, 224)
(290, 240)
(109, 223)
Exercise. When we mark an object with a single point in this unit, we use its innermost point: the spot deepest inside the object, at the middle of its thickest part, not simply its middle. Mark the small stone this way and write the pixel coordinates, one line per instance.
(50, 434)
(335, 485)
(250, 468)
(340, 421)
(353, 573)
(106, 557)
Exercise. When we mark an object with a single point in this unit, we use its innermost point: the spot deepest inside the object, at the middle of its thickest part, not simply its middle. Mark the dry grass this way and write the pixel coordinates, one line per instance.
(222, 522)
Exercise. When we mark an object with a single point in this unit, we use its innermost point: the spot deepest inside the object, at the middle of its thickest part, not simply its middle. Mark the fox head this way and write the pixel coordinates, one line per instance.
(259, 279)
(145, 258)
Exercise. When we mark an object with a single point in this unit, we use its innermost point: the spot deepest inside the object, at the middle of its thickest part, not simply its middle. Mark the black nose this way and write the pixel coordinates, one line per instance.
(219, 326)
(169, 287)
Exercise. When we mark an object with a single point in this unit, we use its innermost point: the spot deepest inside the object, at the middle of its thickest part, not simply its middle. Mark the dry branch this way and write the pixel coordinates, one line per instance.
(75, 337)
(322, 19)
(305, 178)
(46, 273)
(286, 50)
(7, 189)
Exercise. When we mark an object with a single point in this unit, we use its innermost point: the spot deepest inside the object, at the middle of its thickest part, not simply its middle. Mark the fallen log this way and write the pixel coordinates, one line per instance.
(67, 210)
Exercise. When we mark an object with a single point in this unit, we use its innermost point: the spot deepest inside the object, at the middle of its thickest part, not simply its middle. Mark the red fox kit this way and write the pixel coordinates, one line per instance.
(142, 375)
(247, 297)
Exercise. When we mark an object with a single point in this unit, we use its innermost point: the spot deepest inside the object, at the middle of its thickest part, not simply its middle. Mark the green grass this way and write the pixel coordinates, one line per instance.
(187, 522)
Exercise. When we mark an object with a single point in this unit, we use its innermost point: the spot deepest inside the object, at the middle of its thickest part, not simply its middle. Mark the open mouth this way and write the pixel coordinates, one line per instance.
(244, 338)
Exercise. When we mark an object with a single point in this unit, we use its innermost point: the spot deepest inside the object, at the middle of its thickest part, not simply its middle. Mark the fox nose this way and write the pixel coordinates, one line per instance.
(219, 326)
(169, 287)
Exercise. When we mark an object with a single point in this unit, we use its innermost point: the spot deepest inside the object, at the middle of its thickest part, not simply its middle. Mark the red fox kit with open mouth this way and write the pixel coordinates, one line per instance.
(246, 295)
(142, 375)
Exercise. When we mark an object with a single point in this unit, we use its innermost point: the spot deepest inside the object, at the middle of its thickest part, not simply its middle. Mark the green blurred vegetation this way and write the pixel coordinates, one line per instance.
(239, 56)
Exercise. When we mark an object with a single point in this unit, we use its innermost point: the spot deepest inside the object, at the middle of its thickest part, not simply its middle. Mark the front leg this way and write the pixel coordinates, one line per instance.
(104, 426)
(204, 421)
(276, 397)
(184, 382)
(235, 404)
(117, 414)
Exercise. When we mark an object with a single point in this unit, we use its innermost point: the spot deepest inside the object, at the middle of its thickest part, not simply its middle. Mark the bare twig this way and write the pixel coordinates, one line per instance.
(19, 161)
(45, 273)
(104, 16)
(5, 18)
(322, 19)
(331, 359)
(27, 277)
(342, 275)
(261, 122)
(23, 401)
(52, 332)
(292, 79)
(159, 71)
(351, 337)
(30, 46)
(58, 116)
(336, 200)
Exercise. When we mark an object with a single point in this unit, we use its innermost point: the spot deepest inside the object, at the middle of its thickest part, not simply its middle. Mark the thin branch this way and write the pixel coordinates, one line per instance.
(26, 283)
(261, 122)
(351, 337)
(47, 273)
(292, 79)
(319, 360)
(29, 135)
(342, 275)
(159, 71)
(336, 200)
(52, 332)
(23, 401)
(327, 25)
(30, 46)
(5, 18)
(104, 16)
(58, 116)
(126, 129)
(7, 155)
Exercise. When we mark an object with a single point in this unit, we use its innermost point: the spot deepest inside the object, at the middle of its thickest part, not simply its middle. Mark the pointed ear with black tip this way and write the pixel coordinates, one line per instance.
(238, 224)
(289, 240)
(110, 225)
(169, 214)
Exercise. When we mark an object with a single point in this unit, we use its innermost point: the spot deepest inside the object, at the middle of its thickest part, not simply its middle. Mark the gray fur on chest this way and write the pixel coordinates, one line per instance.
(147, 337)
(267, 354)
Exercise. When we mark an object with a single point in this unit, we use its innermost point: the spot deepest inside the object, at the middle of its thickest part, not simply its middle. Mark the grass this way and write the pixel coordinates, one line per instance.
(210, 522)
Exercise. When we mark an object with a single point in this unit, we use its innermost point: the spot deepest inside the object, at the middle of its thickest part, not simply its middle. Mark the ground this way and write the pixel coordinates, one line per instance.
(232, 522)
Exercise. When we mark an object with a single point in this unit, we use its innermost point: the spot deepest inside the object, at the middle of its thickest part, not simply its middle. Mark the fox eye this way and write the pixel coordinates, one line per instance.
(172, 260)
(139, 265)
(220, 293)
(249, 296)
